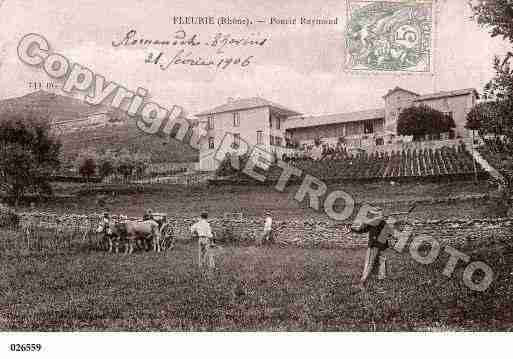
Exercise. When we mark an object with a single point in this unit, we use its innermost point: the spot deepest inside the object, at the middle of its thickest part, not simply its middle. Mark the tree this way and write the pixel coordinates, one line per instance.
(106, 163)
(141, 161)
(29, 155)
(86, 163)
(418, 121)
(496, 116)
(88, 168)
(124, 164)
(474, 117)
(492, 117)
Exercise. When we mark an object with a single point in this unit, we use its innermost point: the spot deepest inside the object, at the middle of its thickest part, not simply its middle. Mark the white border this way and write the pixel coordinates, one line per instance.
(258, 345)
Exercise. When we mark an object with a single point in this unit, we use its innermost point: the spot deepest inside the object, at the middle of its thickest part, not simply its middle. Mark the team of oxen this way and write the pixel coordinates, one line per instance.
(146, 234)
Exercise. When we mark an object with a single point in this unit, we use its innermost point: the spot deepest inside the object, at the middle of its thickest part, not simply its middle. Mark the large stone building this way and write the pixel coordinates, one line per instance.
(259, 122)
(379, 126)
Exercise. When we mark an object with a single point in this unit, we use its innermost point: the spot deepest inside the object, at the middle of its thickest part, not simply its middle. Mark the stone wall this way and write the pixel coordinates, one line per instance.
(300, 232)
(312, 233)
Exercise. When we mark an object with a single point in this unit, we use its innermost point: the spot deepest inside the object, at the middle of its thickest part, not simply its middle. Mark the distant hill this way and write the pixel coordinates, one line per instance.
(56, 106)
(110, 129)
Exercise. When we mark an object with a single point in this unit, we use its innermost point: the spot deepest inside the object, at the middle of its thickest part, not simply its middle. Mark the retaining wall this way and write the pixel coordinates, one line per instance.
(301, 232)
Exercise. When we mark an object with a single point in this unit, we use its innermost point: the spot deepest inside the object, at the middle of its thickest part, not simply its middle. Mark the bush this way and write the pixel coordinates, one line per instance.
(419, 121)
(8, 217)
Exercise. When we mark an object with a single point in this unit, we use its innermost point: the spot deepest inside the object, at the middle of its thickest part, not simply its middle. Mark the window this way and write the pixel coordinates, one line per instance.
(368, 127)
(352, 129)
(448, 114)
(236, 140)
(277, 141)
(210, 122)
(236, 119)
(260, 138)
(270, 122)
(278, 123)
(211, 143)
(271, 140)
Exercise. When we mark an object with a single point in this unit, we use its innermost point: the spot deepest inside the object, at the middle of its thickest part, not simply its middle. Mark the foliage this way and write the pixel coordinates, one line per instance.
(8, 217)
(106, 163)
(86, 163)
(141, 161)
(88, 168)
(418, 121)
(496, 116)
(232, 164)
(124, 163)
(29, 155)
(493, 118)
(496, 15)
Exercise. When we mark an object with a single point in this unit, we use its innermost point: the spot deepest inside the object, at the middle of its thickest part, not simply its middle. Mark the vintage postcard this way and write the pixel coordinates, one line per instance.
(234, 166)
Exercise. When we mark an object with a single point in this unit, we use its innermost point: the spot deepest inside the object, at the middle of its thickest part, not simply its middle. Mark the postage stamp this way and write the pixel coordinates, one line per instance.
(389, 36)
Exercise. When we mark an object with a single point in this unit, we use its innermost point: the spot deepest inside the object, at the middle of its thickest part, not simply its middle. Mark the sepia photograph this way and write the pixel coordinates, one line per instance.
(247, 168)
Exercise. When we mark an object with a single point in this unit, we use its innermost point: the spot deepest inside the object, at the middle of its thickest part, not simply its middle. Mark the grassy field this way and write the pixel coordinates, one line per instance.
(255, 200)
(72, 286)
(253, 288)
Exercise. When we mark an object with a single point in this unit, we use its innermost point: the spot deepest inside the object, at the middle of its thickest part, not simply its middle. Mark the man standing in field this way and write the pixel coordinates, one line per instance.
(268, 228)
(378, 230)
(202, 230)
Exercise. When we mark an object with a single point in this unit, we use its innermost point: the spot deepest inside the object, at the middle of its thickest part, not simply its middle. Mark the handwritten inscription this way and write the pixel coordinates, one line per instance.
(187, 47)
(188, 58)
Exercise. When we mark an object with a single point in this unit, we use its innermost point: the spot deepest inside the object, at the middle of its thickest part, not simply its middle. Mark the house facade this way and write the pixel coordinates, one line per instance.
(240, 123)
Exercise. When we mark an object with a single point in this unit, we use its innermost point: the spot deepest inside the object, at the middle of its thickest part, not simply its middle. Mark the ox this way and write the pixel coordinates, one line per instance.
(129, 232)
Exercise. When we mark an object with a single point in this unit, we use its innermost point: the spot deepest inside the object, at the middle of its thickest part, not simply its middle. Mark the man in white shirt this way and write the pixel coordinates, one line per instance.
(268, 228)
(204, 232)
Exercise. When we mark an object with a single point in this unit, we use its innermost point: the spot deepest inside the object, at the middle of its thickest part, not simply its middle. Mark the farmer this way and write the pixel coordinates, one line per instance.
(202, 230)
(148, 214)
(268, 228)
(104, 222)
(377, 228)
(107, 240)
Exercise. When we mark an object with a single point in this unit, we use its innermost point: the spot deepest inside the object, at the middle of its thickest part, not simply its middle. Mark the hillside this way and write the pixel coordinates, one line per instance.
(56, 106)
(127, 136)
(115, 130)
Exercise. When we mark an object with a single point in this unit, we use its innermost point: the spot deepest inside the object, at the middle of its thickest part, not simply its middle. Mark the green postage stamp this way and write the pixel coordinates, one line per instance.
(389, 36)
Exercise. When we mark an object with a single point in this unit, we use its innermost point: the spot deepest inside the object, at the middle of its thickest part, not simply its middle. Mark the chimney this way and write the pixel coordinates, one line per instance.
(230, 100)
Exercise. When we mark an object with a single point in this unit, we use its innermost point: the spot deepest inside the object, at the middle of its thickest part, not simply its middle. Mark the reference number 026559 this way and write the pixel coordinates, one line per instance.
(25, 347)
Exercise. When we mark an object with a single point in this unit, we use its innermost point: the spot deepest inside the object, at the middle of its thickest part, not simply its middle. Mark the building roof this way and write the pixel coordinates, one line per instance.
(443, 94)
(397, 88)
(311, 121)
(248, 103)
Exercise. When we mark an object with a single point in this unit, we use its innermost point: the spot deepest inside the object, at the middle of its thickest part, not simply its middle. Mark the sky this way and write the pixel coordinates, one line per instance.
(299, 66)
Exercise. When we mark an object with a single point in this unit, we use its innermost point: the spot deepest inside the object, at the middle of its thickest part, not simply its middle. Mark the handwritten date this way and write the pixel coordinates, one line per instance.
(188, 58)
